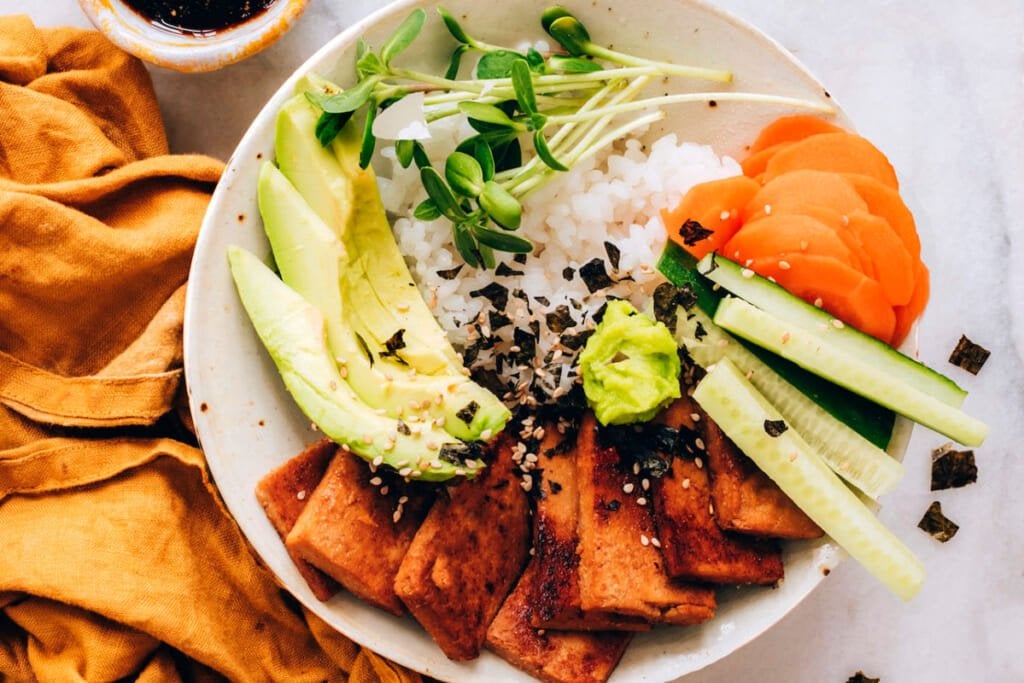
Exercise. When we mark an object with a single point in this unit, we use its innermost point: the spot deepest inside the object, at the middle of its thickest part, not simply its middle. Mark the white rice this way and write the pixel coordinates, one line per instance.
(615, 197)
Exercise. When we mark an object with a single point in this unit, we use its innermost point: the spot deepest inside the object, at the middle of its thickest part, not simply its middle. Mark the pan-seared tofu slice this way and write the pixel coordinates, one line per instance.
(551, 656)
(555, 588)
(746, 500)
(283, 494)
(621, 569)
(356, 531)
(693, 545)
(467, 555)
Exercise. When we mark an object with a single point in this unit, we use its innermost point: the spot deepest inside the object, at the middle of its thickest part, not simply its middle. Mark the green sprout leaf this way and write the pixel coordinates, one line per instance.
(465, 243)
(453, 27)
(483, 154)
(403, 150)
(553, 14)
(497, 64)
(329, 125)
(419, 155)
(427, 211)
(464, 174)
(369, 64)
(345, 101)
(403, 35)
(442, 196)
(507, 155)
(488, 113)
(500, 205)
(540, 144)
(535, 60)
(570, 34)
(369, 141)
(502, 241)
(573, 65)
(456, 60)
(522, 83)
(486, 255)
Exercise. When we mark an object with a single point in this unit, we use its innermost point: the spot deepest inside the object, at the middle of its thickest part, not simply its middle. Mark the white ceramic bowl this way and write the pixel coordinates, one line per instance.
(248, 424)
(185, 52)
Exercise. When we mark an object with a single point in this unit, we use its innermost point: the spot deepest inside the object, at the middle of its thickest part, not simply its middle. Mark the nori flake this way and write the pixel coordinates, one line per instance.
(692, 232)
(700, 332)
(504, 270)
(594, 275)
(952, 469)
(937, 524)
(527, 343)
(403, 428)
(451, 273)
(774, 428)
(497, 320)
(667, 300)
(519, 258)
(365, 347)
(468, 412)
(459, 453)
(968, 355)
(613, 254)
(612, 505)
(568, 273)
(555, 487)
(859, 677)
(542, 300)
(575, 340)
(495, 293)
(395, 343)
(651, 445)
(559, 319)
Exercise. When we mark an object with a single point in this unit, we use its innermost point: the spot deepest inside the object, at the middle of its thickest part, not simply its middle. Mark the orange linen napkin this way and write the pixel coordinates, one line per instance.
(118, 559)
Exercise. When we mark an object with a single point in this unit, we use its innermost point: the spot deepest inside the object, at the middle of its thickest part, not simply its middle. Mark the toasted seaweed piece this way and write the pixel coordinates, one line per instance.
(497, 320)
(968, 355)
(594, 275)
(468, 412)
(575, 340)
(519, 258)
(692, 232)
(613, 254)
(700, 332)
(460, 453)
(952, 469)
(495, 293)
(542, 300)
(568, 273)
(774, 428)
(451, 273)
(395, 343)
(937, 524)
(504, 270)
(651, 445)
(559, 320)
(527, 343)
(859, 677)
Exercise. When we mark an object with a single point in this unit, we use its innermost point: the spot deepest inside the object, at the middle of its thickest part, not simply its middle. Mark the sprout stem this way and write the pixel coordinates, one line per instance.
(667, 68)
(692, 97)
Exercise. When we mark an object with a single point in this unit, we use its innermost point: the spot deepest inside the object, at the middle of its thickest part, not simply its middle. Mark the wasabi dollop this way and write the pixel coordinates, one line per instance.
(630, 366)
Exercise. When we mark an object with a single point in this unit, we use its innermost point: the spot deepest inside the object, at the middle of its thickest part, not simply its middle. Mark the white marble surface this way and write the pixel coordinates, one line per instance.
(939, 87)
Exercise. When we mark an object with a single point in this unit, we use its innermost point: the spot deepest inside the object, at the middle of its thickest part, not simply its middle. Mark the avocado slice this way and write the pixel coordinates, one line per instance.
(310, 258)
(293, 332)
(347, 199)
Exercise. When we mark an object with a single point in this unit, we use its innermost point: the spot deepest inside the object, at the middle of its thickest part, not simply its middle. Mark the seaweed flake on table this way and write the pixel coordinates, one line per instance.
(940, 527)
(860, 677)
(952, 469)
(968, 355)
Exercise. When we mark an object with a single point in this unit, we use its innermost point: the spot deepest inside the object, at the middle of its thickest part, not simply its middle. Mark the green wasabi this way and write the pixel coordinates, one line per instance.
(630, 366)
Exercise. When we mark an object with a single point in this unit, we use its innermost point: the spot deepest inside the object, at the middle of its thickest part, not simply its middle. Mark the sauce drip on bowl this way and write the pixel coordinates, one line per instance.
(198, 17)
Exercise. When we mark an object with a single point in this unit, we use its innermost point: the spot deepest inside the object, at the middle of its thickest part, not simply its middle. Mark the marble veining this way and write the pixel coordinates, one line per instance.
(939, 88)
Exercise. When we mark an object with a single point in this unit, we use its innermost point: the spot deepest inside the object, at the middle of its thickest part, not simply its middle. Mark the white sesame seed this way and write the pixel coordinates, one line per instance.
(627, 488)
(792, 456)
(784, 265)
(699, 462)
(785, 337)
(312, 425)
(711, 509)
(747, 262)
(301, 495)
(686, 483)
(747, 273)
(333, 385)
(384, 490)
(724, 215)
(699, 443)
(818, 302)
(367, 439)
(436, 464)
(695, 417)
(636, 468)
(531, 457)
(527, 483)
(641, 501)
(459, 472)
(656, 543)
(533, 551)
(644, 541)
(768, 209)
(345, 447)
(397, 516)
(417, 473)
(403, 500)
(405, 472)
(376, 481)
(433, 445)
(645, 484)
(486, 434)
(837, 323)
(343, 371)
(402, 307)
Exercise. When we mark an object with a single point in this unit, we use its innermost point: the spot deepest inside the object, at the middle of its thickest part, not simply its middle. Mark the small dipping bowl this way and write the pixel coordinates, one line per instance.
(186, 50)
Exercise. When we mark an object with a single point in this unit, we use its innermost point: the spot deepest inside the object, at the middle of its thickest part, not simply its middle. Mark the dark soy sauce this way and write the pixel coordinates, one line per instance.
(198, 17)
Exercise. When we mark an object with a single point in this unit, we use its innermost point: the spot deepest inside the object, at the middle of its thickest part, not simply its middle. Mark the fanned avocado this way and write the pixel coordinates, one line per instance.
(310, 258)
(347, 199)
(292, 330)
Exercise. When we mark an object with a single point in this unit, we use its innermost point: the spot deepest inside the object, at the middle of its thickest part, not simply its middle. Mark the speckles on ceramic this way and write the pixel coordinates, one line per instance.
(184, 52)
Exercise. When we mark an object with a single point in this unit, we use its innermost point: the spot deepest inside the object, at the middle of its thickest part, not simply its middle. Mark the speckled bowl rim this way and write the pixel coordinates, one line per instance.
(133, 34)
(213, 317)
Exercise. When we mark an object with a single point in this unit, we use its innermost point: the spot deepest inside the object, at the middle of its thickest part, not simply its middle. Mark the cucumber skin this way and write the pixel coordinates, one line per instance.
(811, 352)
(834, 440)
(868, 419)
(803, 476)
(762, 292)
